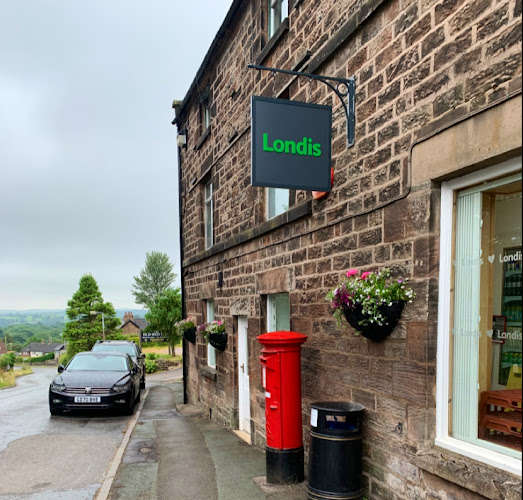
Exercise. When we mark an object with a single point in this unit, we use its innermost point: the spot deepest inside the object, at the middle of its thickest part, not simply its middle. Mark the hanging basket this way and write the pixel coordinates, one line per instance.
(373, 331)
(190, 335)
(218, 340)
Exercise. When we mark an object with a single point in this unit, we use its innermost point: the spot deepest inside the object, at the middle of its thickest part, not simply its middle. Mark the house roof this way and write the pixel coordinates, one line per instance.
(140, 323)
(40, 347)
(213, 49)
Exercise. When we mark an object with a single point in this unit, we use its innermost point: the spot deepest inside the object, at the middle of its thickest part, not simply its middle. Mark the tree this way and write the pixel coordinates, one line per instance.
(164, 315)
(155, 278)
(85, 313)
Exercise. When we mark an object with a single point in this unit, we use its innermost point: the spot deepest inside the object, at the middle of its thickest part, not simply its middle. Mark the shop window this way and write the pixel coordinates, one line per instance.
(208, 216)
(479, 351)
(211, 351)
(278, 11)
(277, 202)
(278, 312)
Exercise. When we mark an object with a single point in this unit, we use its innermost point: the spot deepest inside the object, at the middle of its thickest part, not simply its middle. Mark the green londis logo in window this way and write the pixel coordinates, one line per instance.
(303, 148)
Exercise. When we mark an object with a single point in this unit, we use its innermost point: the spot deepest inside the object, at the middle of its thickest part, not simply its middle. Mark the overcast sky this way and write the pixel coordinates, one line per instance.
(88, 166)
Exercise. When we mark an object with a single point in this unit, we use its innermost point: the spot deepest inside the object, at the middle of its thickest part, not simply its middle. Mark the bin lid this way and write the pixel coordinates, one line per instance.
(282, 337)
(338, 406)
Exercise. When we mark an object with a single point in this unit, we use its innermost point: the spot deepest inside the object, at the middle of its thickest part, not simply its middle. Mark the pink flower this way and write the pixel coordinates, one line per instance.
(364, 276)
(351, 272)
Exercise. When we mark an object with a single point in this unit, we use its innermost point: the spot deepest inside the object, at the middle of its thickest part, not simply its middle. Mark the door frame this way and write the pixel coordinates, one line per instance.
(244, 403)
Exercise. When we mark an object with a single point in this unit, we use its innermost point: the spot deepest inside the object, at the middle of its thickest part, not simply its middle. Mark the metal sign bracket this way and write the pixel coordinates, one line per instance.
(344, 88)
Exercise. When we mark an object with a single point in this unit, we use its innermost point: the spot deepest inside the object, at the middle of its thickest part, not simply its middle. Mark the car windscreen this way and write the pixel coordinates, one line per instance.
(98, 363)
(127, 349)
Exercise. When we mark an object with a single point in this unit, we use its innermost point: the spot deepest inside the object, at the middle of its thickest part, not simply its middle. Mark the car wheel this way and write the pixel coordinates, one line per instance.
(53, 411)
(130, 409)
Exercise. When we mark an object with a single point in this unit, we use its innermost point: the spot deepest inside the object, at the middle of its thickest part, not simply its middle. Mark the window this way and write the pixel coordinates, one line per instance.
(206, 114)
(479, 324)
(278, 11)
(211, 351)
(278, 313)
(208, 215)
(277, 202)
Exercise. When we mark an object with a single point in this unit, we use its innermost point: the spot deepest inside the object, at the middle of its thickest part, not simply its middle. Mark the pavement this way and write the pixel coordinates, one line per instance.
(172, 452)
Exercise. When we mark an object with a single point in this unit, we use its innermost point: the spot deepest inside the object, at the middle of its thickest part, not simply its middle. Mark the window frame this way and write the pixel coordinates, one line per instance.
(211, 351)
(208, 215)
(271, 307)
(206, 114)
(275, 11)
(268, 202)
(444, 358)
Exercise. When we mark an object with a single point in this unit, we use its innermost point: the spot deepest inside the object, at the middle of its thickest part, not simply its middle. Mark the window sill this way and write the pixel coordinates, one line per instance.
(294, 213)
(471, 473)
(208, 372)
(278, 35)
(202, 138)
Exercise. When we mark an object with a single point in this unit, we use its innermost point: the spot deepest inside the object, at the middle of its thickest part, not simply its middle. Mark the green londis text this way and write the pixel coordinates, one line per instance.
(303, 148)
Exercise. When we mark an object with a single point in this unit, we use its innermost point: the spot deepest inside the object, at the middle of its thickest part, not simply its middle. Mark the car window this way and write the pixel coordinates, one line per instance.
(127, 349)
(98, 363)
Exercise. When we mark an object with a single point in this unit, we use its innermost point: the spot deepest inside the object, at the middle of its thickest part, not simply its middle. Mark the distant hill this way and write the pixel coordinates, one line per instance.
(49, 317)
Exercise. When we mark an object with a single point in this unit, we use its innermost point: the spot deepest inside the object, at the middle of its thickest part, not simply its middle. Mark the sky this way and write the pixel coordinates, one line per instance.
(88, 156)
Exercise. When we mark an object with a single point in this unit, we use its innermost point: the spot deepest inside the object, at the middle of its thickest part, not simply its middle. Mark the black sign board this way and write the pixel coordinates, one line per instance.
(290, 144)
(153, 337)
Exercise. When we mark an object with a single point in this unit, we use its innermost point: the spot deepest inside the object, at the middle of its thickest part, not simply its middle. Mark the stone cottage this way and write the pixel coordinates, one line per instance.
(431, 189)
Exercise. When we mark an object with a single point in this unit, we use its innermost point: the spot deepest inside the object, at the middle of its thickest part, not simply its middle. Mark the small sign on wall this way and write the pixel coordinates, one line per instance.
(154, 337)
(290, 144)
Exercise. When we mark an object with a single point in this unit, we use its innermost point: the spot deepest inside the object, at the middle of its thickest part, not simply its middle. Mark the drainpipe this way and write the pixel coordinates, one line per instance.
(182, 289)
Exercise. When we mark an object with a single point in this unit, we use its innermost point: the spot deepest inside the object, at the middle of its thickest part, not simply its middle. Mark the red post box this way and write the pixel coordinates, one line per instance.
(281, 379)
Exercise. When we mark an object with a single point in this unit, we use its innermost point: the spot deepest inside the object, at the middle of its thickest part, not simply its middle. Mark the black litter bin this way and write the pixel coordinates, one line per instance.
(335, 457)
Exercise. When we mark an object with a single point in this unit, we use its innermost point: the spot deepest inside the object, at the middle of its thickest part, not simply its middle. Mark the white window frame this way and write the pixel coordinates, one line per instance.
(208, 214)
(211, 351)
(278, 11)
(272, 191)
(271, 311)
(443, 439)
(206, 114)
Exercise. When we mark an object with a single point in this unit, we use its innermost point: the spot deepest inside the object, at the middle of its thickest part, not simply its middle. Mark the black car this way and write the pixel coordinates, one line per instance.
(127, 346)
(96, 381)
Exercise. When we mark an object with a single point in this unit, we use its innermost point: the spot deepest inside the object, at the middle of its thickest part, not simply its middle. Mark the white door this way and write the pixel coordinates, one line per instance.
(243, 376)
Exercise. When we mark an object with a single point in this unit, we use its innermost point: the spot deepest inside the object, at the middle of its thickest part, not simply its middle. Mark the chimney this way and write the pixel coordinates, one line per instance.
(128, 316)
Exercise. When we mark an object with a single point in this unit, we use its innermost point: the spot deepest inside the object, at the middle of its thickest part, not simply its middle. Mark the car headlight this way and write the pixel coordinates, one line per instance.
(56, 386)
(122, 387)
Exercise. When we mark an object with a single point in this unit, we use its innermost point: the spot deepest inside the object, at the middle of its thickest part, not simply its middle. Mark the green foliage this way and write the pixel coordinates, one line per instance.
(85, 313)
(39, 359)
(152, 356)
(165, 314)
(154, 279)
(371, 290)
(64, 359)
(23, 334)
(150, 366)
(7, 360)
(45, 317)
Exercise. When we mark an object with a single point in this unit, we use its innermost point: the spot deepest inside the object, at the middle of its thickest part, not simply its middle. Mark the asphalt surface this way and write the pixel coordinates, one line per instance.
(44, 457)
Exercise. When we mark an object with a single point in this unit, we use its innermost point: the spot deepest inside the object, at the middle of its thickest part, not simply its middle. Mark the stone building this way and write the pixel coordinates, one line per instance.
(431, 189)
(131, 325)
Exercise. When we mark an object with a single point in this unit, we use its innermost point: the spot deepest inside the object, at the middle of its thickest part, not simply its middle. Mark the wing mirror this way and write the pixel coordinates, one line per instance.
(61, 368)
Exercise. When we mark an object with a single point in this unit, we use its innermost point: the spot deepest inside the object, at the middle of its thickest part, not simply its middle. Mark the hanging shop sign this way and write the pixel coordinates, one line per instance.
(290, 144)
(154, 337)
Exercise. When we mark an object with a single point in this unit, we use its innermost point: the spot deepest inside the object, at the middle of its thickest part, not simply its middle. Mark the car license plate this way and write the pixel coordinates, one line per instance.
(87, 399)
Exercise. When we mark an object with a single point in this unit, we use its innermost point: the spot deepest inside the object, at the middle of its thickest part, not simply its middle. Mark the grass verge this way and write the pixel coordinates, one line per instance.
(8, 379)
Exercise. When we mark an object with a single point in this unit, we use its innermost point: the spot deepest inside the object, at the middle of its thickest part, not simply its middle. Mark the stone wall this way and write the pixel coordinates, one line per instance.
(420, 66)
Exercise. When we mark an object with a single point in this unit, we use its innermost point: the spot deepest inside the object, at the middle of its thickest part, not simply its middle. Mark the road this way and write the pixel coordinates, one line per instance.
(44, 457)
